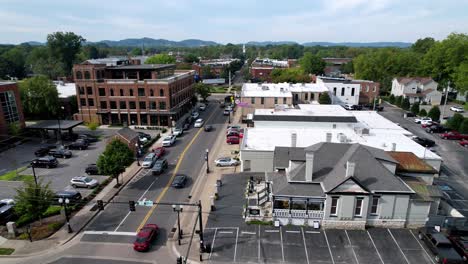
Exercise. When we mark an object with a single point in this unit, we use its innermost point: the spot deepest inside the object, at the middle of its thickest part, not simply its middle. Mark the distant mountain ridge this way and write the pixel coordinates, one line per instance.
(192, 43)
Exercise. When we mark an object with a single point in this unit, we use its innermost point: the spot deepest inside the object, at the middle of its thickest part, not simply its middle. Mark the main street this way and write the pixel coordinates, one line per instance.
(110, 235)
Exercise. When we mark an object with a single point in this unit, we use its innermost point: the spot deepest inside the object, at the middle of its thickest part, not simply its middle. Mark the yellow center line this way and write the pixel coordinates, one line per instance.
(161, 195)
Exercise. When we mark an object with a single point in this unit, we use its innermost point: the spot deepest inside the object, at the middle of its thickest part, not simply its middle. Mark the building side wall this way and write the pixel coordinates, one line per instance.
(418, 212)
(260, 161)
(4, 127)
(268, 103)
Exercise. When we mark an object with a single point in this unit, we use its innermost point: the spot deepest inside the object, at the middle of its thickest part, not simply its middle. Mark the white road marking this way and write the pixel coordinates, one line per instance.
(293, 231)
(352, 248)
(425, 251)
(328, 244)
(282, 247)
(86, 155)
(109, 233)
(248, 233)
(225, 232)
(372, 240)
(259, 232)
(312, 232)
(213, 243)
(235, 247)
(407, 261)
(271, 231)
(305, 245)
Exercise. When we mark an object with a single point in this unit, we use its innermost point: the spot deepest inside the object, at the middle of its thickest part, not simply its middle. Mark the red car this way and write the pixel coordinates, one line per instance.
(464, 143)
(233, 140)
(144, 238)
(453, 135)
(159, 151)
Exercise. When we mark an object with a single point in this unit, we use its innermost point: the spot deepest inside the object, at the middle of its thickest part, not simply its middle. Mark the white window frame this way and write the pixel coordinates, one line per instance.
(376, 206)
(361, 199)
(336, 206)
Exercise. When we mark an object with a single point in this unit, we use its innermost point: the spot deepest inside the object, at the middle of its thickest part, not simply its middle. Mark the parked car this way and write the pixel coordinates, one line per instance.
(233, 140)
(144, 135)
(425, 142)
(159, 152)
(7, 211)
(208, 128)
(199, 123)
(348, 106)
(169, 141)
(177, 131)
(436, 128)
(439, 245)
(453, 135)
(421, 119)
(149, 160)
(202, 107)
(179, 181)
(226, 161)
(186, 126)
(222, 104)
(45, 162)
(77, 145)
(425, 124)
(83, 181)
(42, 151)
(83, 141)
(60, 153)
(457, 109)
(464, 143)
(92, 169)
(409, 114)
(226, 112)
(88, 137)
(233, 127)
(72, 196)
(145, 236)
(69, 136)
(195, 115)
(460, 244)
(159, 166)
(233, 133)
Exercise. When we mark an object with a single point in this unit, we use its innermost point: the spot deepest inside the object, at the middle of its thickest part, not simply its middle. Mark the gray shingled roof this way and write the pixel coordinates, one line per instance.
(291, 118)
(282, 156)
(127, 133)
(281, 186)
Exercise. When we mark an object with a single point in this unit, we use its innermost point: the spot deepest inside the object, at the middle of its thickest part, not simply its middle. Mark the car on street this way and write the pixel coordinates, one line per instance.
(159, 152)
(234, 127)
(464, 143)
(208, 128)
(179, 181)
(222, 104)
(457, 109)
(199, 123)
(436, 128)
(232, 140)
(425, 142)
(159, 166)
(426, 123)
(144, 135)
(460, 244)
(42, 151)
(202, 107)
(186, 126)
(169, 141)
(454, 135)
(88, 137)
(92, 169)
(226, 112)
(149, 160)
(83, 181)
(7, 211)
(418, 120)
(45, 162)
(439, 245)
(145, 237)
(195, 115)
(348, 107)
(226, 161)
(77, 145)
(60, 153)
(409, 114)
(178, 131)
(73, 196)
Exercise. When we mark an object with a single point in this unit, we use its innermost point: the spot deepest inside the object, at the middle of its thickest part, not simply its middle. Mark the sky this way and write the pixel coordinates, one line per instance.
(234, 21)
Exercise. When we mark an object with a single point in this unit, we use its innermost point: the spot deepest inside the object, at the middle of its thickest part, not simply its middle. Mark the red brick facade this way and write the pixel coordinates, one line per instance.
(369, 91)
(11, 109)
(261, 73)
(143, 95)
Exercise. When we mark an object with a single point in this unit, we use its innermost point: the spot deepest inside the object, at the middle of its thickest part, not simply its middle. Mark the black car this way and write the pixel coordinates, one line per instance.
(425, 142)
(92, 169)
(6, 211)
(179, 181)
(159, 167)
(60, 153)
(45, 162)
(80, 144)
(440, 245)
(72, 196)
(409, 114)
(436, 128)
(42, 151)
(88, 138)
(208, 128)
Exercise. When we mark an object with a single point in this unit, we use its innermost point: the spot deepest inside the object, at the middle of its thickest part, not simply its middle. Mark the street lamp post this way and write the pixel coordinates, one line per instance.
(172, 131)
(34, 174)
(59, 134)
(178, 209)
(207, 162)
(137, 149)
(64, 203)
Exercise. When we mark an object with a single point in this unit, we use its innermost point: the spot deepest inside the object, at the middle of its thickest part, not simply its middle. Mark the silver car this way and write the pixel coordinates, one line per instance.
(226, 161)
(149, 160)
(83, 181)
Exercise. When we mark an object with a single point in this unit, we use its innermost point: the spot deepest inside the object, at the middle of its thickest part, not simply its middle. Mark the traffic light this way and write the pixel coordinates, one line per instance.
(100, 205)
(179, 260)
(132, 205)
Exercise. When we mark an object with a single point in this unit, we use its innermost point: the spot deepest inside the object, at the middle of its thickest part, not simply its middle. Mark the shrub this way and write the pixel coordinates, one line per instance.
(92, 125)
(398, 101)
(391, 99)
(55, 226)
(423, 112)
(405, 104)
(415, 108)
(164, 130)
(52, 210)
(455, 121)
(464, 126)
(434, 113)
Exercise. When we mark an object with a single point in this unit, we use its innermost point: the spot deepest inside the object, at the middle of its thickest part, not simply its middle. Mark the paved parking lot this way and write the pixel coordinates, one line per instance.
(294, 244)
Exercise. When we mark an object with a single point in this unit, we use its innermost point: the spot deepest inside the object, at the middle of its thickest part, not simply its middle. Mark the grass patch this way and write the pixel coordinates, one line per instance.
(218, 89)
(16, 176)
(52, 210)
(55, 226)
(6, 251)
(258, 222)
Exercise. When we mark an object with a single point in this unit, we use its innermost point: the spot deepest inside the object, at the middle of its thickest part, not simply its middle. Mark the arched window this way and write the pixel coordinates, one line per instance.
(87, 75)
(121, 92)
(131, 92)
(79, 75)
(111, 92)
(161, 92)
(151, 92)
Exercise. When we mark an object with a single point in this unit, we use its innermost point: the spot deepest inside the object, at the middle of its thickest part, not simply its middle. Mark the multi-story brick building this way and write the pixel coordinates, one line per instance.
(11, 110)
(118, 92)
(216, 66)
(368, 92)
(261, 69)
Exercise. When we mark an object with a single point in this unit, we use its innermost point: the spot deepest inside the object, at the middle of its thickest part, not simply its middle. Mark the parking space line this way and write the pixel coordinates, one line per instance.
(225, 232)
(312, 232)
(248, 233)
(259, 232)
(235, 247)
(293, 231)
(271, 231)
(398, 246)
(425, 251)
(305, 245)
(282, 247)
(352, 248)
(213, 242)
(378, 253)
(329, 249)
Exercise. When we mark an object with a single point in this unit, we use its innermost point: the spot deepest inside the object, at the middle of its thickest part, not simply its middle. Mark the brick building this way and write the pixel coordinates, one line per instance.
(119, 92)
(260, 69)
(11, 110)
(368, 91)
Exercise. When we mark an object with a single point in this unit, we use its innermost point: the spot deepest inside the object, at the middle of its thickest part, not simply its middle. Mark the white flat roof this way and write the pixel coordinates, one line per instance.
(66, 89)
(279, 89)
(306, 110)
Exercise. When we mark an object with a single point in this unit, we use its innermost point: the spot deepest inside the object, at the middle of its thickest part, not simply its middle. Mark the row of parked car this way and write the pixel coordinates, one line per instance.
(448, 248)
(431, 126)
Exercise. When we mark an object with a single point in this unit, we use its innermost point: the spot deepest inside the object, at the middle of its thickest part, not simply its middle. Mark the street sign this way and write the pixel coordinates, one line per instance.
(148, 203)
(237, 101)
(141, 203)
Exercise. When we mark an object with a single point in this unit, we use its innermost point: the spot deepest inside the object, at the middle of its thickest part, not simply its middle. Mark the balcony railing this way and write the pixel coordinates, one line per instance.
(311, 214)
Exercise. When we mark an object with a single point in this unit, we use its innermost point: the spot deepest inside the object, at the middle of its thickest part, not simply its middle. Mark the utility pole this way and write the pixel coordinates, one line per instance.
(202, 245)
(229, 81)
(445, 103)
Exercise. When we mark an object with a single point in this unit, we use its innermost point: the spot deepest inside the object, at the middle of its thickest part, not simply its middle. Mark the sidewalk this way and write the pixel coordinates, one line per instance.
(78, 222)
(203, 191)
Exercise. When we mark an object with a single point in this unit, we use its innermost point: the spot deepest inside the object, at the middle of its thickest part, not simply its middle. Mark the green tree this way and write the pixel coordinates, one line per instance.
(73, 104)
(461, 76)
(464, 126)
(455, 121)
(64, 47)
(324, 98)
(32, 201)
(423, 112)
(115, 158)
(312, 64)
(160, 59)
(434, 113)
(347, 68)
(191, 58)
(405, 104)
(398, 100)
(291, 75)
(14, 128)
(39, 97)
(423, 45)
(415, 108)
(203, 90)
(206, 72)
(391, 99)
(13, 63)
(136, 52)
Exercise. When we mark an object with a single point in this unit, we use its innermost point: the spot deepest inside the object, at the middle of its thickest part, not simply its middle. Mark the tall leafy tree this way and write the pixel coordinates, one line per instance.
(423, 45)
(191, 58)
(415, 108)
(292, 75)
(39, 97)
(324, 98)
(455, 121)
(311, 63)
(423, 112)
(434, 113)
(115, 158)
(203, 90)
(461, 76)
(64, 47)
(160, 59)
(405, 104)
(32, 201)
(464, 126)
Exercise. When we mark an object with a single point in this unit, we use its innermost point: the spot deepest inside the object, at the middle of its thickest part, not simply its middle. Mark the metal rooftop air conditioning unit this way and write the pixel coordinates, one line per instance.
(265, 88)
